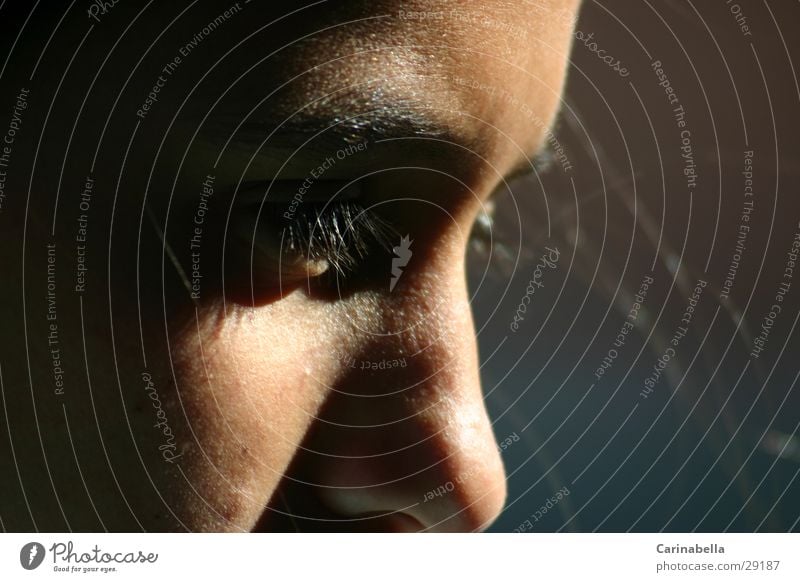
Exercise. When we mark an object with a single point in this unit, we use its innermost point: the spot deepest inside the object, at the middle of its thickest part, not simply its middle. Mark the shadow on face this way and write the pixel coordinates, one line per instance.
(256, 270)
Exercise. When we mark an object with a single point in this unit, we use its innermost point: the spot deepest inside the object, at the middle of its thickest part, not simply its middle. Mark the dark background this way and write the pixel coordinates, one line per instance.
(715, 446)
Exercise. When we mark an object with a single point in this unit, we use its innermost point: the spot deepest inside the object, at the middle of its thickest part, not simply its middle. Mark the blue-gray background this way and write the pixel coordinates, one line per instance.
(715, 446)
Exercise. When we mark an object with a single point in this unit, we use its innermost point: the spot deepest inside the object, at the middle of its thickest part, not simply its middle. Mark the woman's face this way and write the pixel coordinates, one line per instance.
(259, 299)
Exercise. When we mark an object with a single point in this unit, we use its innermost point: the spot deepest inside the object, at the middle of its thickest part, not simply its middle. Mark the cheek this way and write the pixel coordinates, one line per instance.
(250, 388)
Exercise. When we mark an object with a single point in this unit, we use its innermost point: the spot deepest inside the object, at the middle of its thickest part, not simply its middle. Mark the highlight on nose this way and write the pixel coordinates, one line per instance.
(403, 442)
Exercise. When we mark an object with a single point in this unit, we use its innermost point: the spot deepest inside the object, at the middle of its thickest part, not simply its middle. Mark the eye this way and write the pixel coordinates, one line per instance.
(490, 243)
(482, 235)
(294, 235)
(286, 234)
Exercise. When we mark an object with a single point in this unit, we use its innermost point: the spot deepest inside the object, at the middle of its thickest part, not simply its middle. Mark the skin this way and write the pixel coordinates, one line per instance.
(276, 422)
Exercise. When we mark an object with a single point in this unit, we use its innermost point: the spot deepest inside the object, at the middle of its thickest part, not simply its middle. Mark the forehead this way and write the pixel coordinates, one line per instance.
(485, 75)
(466, 69)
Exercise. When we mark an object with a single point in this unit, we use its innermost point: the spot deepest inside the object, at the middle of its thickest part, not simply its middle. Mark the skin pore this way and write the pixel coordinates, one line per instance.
(247, 404)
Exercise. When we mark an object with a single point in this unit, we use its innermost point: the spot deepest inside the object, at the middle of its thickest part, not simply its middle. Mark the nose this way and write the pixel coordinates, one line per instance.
(404, 441)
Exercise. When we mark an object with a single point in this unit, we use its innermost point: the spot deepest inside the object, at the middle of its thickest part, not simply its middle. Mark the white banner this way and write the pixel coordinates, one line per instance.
(389, 557)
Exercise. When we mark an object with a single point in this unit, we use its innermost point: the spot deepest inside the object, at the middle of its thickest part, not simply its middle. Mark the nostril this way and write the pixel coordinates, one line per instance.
(299, 507)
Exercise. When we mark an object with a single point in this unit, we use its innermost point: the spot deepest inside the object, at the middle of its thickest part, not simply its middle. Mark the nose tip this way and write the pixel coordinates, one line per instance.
(415, 441)
(444, 483)
(469, 500)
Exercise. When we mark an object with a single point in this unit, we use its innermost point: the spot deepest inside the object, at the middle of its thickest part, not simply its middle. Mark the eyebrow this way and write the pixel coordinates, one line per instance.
(319, 133)
(322, 131)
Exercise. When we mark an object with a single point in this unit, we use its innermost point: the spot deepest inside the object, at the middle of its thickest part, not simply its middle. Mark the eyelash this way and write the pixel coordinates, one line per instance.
(343, 233)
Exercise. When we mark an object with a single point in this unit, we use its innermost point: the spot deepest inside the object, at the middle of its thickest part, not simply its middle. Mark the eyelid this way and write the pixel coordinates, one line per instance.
(338, 235)
(273, 260)
(298, 191)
